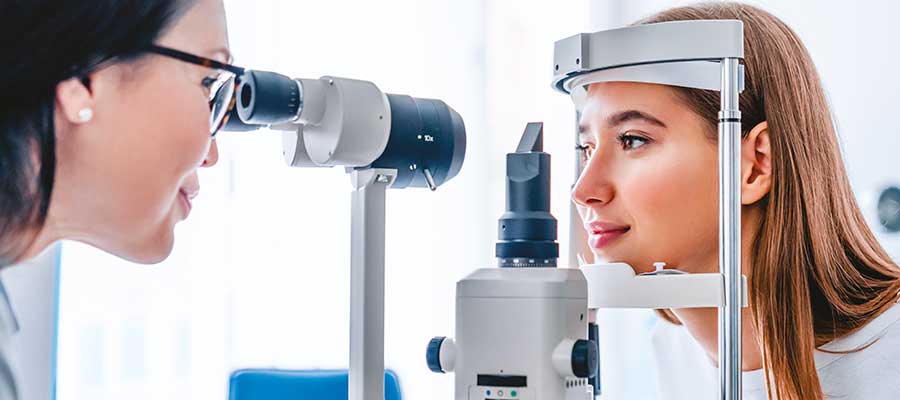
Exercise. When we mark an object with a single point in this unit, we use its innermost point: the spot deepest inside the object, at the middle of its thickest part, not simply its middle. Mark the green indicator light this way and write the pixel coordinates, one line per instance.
(513, 393)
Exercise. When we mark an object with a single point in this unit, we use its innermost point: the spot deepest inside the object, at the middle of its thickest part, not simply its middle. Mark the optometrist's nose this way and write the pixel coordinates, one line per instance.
(212, 156)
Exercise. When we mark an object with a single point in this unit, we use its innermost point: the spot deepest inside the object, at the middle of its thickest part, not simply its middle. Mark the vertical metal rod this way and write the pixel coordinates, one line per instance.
(366, 376)
(730, 232)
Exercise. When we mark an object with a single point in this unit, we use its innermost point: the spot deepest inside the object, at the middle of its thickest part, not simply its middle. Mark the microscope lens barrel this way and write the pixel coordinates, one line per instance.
(426, 135)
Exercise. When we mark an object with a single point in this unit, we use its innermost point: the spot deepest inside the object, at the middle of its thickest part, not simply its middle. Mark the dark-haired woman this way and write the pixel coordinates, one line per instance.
(108, 109)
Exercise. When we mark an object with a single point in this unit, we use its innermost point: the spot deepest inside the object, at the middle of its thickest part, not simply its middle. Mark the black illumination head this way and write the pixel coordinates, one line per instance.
(527, 231)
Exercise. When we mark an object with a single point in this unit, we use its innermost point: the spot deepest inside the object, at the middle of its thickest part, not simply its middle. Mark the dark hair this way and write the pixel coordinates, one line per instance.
(42, 43)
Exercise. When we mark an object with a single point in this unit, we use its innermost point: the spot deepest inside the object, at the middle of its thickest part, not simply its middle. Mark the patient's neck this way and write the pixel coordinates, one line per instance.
(703, 323)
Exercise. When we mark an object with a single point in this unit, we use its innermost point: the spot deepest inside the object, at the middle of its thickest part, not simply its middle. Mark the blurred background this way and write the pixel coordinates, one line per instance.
(260, 272)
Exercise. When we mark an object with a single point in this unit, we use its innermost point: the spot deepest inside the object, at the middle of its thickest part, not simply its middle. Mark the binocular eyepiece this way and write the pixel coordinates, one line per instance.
(425, 143)
(263, 99)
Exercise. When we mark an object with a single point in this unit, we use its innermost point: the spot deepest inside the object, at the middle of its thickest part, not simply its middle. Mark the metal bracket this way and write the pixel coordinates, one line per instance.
(366, 375)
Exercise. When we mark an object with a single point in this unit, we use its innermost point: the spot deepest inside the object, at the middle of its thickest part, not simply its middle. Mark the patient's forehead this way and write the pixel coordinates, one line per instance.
(607, 98)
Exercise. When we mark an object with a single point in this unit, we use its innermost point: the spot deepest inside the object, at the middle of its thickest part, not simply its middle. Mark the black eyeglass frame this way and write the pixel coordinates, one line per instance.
(195, 59)
(208, 63)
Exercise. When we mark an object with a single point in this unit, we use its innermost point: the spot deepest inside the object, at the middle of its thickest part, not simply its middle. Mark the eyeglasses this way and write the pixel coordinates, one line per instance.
(221, 87)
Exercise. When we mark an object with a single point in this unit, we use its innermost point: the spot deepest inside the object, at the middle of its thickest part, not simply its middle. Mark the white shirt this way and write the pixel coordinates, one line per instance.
(685, 372)
(8, 327)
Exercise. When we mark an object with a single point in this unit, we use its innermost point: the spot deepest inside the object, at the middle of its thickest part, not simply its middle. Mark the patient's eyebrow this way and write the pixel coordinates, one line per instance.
(630, 115)
(619, 118)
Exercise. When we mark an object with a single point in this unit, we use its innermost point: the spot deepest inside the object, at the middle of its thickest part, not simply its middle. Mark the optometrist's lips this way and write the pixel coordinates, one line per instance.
(602, 233)
(185, 196)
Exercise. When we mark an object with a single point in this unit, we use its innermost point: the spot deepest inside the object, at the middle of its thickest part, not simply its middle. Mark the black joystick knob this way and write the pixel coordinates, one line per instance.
(433, 354)
(584, 358)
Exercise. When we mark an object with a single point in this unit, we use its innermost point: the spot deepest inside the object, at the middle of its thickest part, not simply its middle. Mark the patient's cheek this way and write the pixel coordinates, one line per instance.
(653, 189)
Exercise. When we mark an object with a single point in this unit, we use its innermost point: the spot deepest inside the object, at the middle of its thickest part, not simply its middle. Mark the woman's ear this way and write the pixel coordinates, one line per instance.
(75, 100)
(756, 164)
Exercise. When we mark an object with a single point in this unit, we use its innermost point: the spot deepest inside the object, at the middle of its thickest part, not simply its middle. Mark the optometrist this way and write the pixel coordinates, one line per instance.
(108, 109)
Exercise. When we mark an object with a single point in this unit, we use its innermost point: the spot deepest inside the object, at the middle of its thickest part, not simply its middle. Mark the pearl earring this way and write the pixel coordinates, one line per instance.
(85, 114)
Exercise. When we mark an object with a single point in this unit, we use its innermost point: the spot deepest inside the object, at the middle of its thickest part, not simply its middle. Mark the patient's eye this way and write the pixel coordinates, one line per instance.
(631, 142)
(586, 151)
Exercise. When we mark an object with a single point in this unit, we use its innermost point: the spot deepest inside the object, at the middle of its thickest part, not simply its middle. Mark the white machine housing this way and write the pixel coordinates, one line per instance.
(343, 122)
(518, 324)
(615, 285)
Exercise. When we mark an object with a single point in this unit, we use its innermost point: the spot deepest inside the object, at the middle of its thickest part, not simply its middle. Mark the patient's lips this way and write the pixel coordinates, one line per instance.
(603, 233)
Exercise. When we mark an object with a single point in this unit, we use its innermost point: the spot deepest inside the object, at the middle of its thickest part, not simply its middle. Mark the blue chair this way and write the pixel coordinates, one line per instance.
(274, 384)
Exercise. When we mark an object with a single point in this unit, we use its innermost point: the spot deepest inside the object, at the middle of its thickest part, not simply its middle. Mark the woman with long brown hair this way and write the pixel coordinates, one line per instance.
(823, 320)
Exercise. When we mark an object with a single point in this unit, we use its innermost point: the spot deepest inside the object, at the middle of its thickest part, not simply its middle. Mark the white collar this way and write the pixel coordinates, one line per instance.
(9, 325)
(866, 335)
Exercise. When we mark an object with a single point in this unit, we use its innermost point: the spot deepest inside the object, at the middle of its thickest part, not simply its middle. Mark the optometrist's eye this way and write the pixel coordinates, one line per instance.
(208, 83)
(631, 142)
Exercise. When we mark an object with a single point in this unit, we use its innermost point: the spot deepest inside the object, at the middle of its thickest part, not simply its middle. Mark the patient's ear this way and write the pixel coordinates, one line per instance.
(756, 164)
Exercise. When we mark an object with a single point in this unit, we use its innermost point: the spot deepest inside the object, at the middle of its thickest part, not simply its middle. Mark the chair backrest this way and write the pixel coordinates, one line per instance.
(274, 384)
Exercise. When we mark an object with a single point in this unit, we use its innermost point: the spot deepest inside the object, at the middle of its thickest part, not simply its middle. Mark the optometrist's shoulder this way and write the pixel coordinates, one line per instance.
(101, 133)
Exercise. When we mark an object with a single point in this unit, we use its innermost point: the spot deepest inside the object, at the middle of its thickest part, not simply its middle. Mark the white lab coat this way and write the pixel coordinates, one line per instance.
(8, 327)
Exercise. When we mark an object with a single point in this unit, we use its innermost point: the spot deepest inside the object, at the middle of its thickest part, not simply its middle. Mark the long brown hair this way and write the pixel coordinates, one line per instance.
(818, 272)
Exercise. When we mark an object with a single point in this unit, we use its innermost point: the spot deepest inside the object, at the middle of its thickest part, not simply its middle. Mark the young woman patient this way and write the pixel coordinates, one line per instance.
(823, 320)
